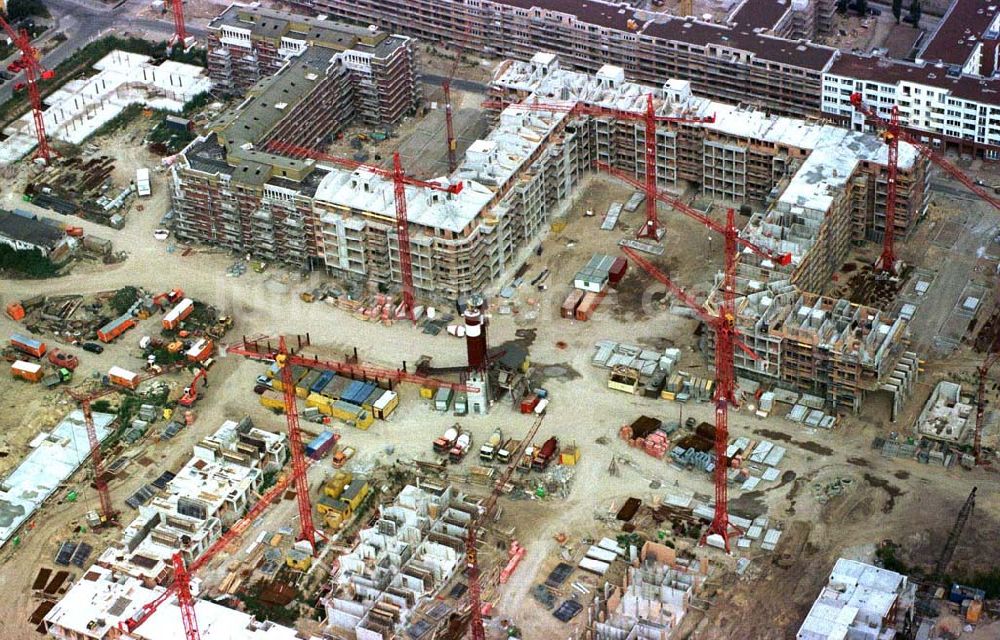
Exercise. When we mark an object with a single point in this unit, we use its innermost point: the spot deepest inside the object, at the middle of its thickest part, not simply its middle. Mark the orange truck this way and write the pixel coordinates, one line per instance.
(177, 315)
(115, 328)
(30, 371)
(123, 378)
(15, 311)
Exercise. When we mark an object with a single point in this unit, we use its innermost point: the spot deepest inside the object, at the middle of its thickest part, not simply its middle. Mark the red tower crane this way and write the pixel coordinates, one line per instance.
(33, 72)
(446, 88)
(180, 32)
(726, 341)
(182, 573)
(651, 228)
(107, 513)
(982, 370)
(893, 132)
(400, 180)
(471, 539)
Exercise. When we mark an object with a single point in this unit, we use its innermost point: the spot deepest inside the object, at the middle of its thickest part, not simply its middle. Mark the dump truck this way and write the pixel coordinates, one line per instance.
(545, 454)
(507, 449)
(443, 444)
(461, 447)
(341, 457)
(489, 450)
(61, 375)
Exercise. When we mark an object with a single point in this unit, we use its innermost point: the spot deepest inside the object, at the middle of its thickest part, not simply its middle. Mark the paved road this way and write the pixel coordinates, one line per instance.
(458, 83)
(83, 22)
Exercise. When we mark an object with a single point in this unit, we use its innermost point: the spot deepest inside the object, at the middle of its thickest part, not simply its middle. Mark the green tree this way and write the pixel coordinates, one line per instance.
(123, 299)
(20, 9)
(897, 9)
(915, 13)
(862, 7)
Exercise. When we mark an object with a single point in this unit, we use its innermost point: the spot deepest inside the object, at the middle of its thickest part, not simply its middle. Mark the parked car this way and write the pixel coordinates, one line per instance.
(259, 389)
(20, 86)
(92, 347)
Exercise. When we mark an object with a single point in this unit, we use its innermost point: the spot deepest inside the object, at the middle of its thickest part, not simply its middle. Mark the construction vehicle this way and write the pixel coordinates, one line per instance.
(307, 296)
(544, 456)
(507, 449)
(221, 326)
(62, 375)
(63, 359)
(488, 451)
(341, 457)
(15, 311)
(444, 444)
(461, 447)
(524, 464)
(190, 395)
(173, 296)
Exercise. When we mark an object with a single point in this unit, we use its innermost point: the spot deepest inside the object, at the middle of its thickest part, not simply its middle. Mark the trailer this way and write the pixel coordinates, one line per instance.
(202, 348)
(178, 314)
(123, 377)
(545, 454)
(115, 328)
(30, 371)
(28, 345)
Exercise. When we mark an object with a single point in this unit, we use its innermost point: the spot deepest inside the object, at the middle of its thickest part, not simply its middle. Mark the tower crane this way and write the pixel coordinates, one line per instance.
(181, 585)
(180, 31)
(399, 180)
(471, 539)
(726, 341)
(107, 513)
(651, 228)
(33, 72)
(893, 132)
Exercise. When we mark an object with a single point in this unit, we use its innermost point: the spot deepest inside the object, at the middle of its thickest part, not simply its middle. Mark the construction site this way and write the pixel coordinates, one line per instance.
(378, 329)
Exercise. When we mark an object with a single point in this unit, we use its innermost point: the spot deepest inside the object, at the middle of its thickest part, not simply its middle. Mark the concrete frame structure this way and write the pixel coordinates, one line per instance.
(412, 551)
(211, 491)
(858, 601)
(761, 56)
(823, 188)
(95, 605)
(945, 417)
(80, 107)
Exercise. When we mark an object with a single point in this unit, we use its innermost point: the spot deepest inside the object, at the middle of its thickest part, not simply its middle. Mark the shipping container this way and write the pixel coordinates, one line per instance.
(351, 414)
(385, 405)
(324, 379)
(123, 377)
(442, 399)
(30, 371)
(528, 403)
(617, 271)
(274, 401)
(321, 445)
(335, 388)
(305, 384)
(28, 345)
(588, 305)
(115, 328)
(358, 392)
(142, 182)
(572, 301)
(177, 315)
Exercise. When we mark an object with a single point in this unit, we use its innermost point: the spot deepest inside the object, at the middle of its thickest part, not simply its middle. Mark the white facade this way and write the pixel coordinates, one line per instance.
(921, 106)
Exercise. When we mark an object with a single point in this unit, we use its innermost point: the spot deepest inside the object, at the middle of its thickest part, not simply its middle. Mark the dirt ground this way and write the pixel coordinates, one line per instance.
(901, 500)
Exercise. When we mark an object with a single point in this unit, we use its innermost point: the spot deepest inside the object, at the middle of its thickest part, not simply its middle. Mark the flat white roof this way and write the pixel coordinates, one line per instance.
(48, 465)
(855, 593)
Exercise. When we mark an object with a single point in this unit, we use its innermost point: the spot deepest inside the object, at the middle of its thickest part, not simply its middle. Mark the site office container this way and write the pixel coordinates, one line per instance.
(351, 414)
(324, 379)
(177, 315)
(200, 350)
(30, 371)
(115, 328)
(28, 345)
(302, 388)
(528, 403)
(385, 405)
(617, 271)
(123, 377)
(321, 445)
(572, 301)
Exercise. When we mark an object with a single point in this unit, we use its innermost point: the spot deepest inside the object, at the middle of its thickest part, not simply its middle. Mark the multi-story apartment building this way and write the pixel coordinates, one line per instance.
(761, 55)
(732, 63)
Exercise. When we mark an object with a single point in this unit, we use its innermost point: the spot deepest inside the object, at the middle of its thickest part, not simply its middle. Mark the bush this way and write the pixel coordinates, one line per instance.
(123, 299)
(19, 9)
(29, 263)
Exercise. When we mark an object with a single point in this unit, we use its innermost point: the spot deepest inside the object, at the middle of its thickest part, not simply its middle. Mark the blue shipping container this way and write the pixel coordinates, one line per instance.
(357, 392)
(320, 445)
(321, 382)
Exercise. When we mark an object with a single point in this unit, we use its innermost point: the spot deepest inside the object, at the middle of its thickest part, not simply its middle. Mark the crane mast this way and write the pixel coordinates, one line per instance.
(307, 531)
(33, 72)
